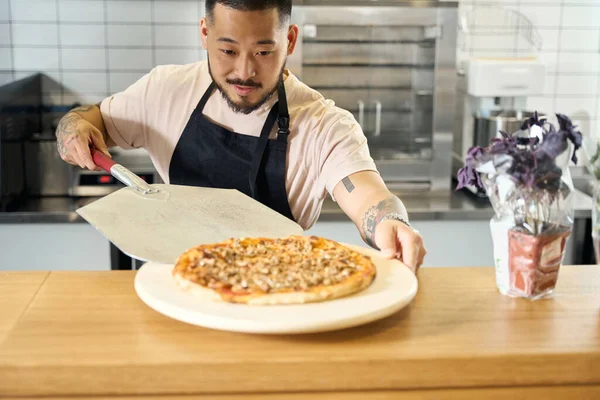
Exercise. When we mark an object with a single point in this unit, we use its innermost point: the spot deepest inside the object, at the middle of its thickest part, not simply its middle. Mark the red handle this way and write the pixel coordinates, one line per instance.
(102, 160)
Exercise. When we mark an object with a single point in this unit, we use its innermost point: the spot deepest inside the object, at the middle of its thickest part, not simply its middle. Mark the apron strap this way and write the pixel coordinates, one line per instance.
(278, 113)
(205, 98)
(283, 120)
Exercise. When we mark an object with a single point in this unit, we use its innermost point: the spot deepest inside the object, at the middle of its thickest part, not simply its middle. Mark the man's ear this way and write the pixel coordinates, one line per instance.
(292, 37)
(204, 33)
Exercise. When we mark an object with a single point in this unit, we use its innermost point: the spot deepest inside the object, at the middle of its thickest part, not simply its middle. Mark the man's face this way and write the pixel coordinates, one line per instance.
(246, 54)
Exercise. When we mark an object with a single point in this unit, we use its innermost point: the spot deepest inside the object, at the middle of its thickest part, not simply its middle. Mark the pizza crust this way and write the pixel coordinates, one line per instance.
(356, 282)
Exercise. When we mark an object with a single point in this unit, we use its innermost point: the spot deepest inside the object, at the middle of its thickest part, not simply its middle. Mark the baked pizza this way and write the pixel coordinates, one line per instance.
(262, 271)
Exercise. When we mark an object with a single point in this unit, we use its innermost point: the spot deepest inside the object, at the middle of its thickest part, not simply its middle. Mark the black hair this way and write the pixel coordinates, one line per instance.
(283, 6)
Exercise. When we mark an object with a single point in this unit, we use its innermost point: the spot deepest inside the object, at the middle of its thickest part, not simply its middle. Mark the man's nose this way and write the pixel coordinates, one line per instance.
(245, 68)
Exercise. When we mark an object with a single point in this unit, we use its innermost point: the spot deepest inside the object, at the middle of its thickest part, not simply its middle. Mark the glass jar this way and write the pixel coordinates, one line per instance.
(596, 222)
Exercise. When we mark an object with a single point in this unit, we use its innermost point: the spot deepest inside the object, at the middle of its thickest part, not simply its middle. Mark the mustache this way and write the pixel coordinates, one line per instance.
(240, 82)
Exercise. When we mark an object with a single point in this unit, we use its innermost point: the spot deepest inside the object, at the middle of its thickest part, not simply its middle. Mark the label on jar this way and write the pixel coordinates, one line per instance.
(499, 230)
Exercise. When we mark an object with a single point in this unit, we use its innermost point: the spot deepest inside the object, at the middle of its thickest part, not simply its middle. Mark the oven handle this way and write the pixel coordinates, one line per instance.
(377, 118)
(361, 113)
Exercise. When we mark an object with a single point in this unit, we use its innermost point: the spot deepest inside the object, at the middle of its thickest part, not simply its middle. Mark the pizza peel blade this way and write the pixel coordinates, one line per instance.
(159, 222)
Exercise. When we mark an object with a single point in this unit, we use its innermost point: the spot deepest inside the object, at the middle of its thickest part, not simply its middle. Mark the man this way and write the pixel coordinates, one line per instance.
(242, 120)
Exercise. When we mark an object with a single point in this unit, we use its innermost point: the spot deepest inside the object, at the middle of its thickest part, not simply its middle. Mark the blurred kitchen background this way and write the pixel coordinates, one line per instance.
(401, 67)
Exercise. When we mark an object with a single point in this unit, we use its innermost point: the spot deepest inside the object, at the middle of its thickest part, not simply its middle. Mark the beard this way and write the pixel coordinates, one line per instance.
(244, 107)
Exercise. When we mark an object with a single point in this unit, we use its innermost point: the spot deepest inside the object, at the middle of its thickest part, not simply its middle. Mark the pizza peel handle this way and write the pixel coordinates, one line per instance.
(121, 173)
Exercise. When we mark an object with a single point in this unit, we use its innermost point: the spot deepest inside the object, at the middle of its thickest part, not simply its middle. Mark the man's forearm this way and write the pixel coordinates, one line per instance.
(90, 113)
(378, 208)
(365, 198)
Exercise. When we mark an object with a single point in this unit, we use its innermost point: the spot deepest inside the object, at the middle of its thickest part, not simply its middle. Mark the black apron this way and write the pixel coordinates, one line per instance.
(209, 155)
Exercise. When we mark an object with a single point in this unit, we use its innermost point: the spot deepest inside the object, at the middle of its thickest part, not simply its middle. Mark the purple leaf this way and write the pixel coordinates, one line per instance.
(531, 121)
(564, 122)
(468, 176)
(569, 131)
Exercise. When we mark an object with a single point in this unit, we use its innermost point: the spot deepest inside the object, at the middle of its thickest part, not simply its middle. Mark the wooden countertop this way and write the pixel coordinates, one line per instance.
(88, 334)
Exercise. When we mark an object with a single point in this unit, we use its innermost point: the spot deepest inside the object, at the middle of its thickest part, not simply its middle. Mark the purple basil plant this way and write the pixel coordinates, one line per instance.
(530, 163)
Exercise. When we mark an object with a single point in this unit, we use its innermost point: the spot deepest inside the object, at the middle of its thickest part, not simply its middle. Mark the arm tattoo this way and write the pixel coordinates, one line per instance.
(348, 184)
(66, 131)
(374, 215)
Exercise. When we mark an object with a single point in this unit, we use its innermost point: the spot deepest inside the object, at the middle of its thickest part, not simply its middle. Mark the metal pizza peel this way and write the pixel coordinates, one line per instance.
(158, 222)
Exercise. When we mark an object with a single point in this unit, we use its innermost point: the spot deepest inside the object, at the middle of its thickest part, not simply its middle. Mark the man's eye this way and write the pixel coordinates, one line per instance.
(264, 53)
(227, 52)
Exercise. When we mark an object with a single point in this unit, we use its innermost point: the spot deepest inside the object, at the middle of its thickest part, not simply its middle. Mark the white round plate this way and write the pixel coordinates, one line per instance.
(392, 289)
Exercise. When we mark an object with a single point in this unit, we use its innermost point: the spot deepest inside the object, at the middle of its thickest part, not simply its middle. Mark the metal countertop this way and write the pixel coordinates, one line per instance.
(429, 206)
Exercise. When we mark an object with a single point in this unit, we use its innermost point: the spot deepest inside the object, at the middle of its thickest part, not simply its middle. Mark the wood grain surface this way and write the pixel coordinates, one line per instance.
(16, 291)
(87, 333)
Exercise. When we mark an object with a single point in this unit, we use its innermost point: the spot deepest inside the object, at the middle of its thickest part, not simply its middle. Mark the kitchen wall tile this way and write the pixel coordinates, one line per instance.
(580, 108)
(129, 11)
(550, 60)
(577, 85)
(549, 39)
(81, 10)
(582, 17)
(174, 56)
(580, 39)
(177, 35)
(585, 124)
(549, 85)
(542, 16)
(4, 34)
(33, 10)
(82, 35)
(130, 59)
(176, 11)
(24, 74)
(595, 128)
(120, 81)
(83, 98)
(85, 82)
(541, 104)
(582, 63)
(34, 34)
(6, 77)
(5, 59)
(4, 10)
(83, 59)
(130, 35)
(36, 59)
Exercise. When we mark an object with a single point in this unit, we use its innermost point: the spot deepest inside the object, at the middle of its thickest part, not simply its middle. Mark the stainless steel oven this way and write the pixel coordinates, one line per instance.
(394, 68)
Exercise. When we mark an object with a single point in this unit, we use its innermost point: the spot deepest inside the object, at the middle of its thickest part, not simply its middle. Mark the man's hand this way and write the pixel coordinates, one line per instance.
(395, 239)
(75, 135)
(380, 217)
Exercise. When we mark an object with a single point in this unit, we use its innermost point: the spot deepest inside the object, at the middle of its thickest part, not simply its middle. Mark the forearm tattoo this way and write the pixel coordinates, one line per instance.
(376, 213)
(67, 129)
